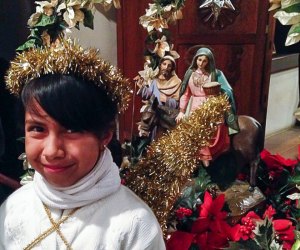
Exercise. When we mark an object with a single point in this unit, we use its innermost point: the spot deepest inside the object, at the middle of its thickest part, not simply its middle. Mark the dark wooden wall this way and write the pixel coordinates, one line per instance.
(13, 29)
(242, 48)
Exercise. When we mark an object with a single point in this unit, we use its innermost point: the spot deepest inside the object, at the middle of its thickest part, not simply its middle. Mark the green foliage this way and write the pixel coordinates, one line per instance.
(292, 9)
(296, 246)
(244, 245)
(88, 19)
(295, 179)
(46, 21)
(191, 193)
(265, 235)
(194, 247)
(163, 3)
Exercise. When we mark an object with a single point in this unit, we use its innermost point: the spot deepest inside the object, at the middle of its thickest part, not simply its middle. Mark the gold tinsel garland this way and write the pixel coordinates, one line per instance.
(160, 177)
(68, 58)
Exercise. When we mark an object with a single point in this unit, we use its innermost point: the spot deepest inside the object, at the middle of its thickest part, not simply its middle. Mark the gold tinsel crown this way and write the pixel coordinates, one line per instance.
(68, 58)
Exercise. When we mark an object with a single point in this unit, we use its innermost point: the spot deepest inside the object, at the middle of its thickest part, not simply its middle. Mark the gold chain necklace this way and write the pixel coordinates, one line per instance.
(55, 227)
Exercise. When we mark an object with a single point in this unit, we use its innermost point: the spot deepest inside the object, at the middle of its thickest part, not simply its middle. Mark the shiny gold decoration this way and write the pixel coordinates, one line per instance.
(69, 58)
(160, 177)
(55, 227)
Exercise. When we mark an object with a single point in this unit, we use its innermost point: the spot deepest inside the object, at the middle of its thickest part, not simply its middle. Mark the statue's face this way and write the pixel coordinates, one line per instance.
(166, 69)
(202, 62)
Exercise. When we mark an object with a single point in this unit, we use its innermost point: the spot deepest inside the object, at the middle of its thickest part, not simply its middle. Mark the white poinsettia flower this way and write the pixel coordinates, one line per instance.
(117, 4)
(171, 14)
(288, 3)
(46, 7)
(107, 3)
(148, 74)
(174, 53)
(61, 7)
(169, 7)
(161, 46)
(73, 15)
(151, 23)
(152, 10)
(34, 18)
(145, 22)
(176, 15)
(294, 196)
(293, 35)
(287, 18)
(275, 4)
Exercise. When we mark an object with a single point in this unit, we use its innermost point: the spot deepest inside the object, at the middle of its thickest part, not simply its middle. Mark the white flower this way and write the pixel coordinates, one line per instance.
(295, 196)
(148, 74)
(288, 3)
(43, 7)
(152, 10)
(174, 53)
(293, 35)
(275, 4)
(73, 13)
(287, 18)
(150, 23)
(34, 18)
(161, 46)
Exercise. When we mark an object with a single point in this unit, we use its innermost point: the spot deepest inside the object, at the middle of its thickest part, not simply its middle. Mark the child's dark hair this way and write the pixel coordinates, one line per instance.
(71, 101)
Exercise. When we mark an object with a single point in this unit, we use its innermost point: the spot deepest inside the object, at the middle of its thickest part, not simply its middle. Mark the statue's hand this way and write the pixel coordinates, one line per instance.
(179, 117)
(139, 81)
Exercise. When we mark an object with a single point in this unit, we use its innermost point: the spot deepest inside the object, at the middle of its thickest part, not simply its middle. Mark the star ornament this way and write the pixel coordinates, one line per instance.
(217, 4)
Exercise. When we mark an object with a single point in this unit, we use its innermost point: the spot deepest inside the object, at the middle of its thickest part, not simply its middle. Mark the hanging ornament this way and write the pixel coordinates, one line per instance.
(218, 13)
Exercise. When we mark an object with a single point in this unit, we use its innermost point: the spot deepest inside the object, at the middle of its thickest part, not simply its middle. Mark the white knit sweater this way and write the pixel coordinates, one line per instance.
(119, 221)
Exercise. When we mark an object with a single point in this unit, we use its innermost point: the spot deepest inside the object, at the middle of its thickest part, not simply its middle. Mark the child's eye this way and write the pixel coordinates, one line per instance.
(38, 129)
(73, 131)
(70, 131)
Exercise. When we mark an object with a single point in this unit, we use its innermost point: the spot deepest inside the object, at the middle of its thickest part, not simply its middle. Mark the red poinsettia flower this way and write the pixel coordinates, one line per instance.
(210, 214)
(277, 162)
(180, 240)
(270, 211)
(285, 230)
(211, 241)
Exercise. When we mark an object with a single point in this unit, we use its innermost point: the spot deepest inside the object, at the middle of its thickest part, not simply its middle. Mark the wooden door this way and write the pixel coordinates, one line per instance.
(241, 41)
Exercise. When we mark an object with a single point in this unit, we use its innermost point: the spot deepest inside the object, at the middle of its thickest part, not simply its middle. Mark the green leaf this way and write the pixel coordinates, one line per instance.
(297, 235)
(45, 21)
(296, 245)
(243, 245)
(31, 43)
(264, 233)
(190, 194)
(292, 9)
(295, 29)
(179, 3)
(294, 179)
(202, 180)
(88, 19)
(194, 247)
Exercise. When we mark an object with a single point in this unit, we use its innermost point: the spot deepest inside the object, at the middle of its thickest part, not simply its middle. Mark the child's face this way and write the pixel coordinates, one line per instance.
(202, 62)
(60, 155)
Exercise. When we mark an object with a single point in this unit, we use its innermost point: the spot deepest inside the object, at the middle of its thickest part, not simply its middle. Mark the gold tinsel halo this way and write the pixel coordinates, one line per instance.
(68, 58)
(160, 177)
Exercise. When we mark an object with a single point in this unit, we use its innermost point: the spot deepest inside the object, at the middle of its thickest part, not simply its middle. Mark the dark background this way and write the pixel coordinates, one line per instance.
(13, 32)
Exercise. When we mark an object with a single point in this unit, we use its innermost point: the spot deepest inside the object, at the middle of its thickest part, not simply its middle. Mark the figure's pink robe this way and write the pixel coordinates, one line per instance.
(196, 96)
